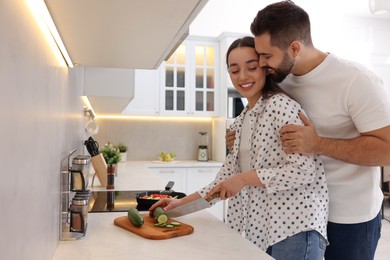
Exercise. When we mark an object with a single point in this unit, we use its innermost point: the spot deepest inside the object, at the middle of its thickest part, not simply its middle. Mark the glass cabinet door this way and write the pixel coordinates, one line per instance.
(188, 79)
(175, 81)
(204, 71)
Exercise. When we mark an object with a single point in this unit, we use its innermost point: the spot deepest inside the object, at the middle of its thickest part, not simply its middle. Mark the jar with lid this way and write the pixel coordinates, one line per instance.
(81, 163)
(78, 214)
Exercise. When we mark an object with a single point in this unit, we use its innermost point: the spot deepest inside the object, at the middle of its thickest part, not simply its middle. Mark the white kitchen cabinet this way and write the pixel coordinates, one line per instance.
(178, 175)
(146, 94)
(117, 34)
(197, 178)
(191, 179)
(189, 79)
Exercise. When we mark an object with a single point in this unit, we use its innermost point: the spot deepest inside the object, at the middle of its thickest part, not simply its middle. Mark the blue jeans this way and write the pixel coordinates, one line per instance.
(308, 245)
(353, 241)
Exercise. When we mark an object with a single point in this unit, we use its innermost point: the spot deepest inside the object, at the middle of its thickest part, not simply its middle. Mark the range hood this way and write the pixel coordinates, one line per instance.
(122, 33)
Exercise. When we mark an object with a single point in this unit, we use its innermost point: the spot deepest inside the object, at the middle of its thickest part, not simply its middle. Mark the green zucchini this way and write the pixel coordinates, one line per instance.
(135, 218)
(159, 215)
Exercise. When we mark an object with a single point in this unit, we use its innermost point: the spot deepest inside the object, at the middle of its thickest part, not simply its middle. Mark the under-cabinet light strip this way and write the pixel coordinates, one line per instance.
(54, 32)
(45, 22)
(155, 118)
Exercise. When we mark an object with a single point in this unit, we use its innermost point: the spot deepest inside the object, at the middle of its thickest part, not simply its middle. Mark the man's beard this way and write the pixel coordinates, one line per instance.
(279, 74)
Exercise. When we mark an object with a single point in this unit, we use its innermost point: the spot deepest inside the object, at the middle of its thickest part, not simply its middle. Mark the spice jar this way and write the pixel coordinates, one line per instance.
(81, 163)
(111, 169)
(78, 214)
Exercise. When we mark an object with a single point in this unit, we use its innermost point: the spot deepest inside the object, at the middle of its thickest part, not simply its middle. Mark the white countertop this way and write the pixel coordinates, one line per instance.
(211, 239)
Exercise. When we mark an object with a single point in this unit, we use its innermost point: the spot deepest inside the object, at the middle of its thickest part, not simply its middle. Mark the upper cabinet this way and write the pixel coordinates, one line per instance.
(189, 84)
(146, 97)
(109, 90)
(122, 33)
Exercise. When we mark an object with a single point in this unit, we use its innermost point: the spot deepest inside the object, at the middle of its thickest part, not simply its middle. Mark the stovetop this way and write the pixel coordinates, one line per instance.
(113, 201)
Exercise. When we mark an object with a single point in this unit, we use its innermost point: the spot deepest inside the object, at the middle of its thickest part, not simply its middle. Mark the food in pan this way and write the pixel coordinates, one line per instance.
(156, 196)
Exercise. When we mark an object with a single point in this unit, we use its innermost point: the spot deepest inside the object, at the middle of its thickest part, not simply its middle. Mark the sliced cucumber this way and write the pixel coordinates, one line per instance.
(159, 215)
(169, 226)
(174, 223)
(163, 218)
(158, 211)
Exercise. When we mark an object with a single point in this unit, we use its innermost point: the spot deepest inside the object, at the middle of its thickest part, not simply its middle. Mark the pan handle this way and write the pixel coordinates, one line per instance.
(169, 185)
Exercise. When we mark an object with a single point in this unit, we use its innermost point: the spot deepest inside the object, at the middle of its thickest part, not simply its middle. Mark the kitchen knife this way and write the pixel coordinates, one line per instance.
(191, 207)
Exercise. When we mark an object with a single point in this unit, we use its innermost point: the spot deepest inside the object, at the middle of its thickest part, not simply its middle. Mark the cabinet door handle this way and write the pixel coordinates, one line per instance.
(205, 170)
(167, 171)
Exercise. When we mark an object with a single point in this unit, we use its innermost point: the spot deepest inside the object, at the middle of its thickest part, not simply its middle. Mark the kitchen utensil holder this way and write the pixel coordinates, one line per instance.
(100, 167)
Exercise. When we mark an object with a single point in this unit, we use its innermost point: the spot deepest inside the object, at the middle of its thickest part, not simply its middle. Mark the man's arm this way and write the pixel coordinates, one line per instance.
(370, 148)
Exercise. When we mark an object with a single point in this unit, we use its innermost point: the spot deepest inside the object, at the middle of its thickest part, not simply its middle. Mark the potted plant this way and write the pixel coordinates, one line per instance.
(123, 152)
(112, 157)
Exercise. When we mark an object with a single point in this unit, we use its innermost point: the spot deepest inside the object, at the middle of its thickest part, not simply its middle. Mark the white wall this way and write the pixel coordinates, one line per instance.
(41, 120)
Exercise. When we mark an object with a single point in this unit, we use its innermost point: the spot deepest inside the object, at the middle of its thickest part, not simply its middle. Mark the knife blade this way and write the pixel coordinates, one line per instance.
(191, 207)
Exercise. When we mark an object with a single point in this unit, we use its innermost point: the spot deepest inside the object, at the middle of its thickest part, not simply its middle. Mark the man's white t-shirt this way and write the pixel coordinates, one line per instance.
(344, 99)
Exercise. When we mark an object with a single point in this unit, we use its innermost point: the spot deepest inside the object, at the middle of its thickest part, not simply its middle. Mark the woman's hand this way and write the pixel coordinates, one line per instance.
(166, 204)
(228, 188)
(231, 186)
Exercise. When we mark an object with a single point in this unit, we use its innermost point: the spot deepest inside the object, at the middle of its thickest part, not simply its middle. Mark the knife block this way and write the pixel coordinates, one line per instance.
(100, 166)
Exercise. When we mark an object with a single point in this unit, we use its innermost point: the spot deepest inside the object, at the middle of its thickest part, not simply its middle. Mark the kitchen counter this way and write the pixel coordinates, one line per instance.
(211, 239)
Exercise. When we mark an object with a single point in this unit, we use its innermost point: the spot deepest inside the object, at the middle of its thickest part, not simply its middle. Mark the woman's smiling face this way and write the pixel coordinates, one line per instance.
(246, 75)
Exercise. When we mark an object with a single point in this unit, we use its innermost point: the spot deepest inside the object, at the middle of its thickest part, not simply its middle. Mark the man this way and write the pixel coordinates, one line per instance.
(350, 110)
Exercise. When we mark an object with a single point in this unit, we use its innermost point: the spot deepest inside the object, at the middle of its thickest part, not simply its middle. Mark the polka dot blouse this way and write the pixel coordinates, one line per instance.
(295, 197)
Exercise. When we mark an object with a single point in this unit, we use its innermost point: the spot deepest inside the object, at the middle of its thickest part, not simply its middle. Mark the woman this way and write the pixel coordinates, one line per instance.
(279, 202)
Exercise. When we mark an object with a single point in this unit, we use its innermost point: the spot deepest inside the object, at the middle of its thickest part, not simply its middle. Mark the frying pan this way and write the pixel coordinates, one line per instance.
(145, 204)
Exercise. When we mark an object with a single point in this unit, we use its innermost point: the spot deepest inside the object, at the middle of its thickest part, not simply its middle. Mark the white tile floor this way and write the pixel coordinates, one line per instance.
(383, 250)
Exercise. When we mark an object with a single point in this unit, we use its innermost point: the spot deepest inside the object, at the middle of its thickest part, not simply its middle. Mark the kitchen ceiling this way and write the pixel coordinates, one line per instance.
(122, 33)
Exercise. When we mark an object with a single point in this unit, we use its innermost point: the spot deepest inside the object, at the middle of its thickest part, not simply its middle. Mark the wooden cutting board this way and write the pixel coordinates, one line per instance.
(149, 231)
